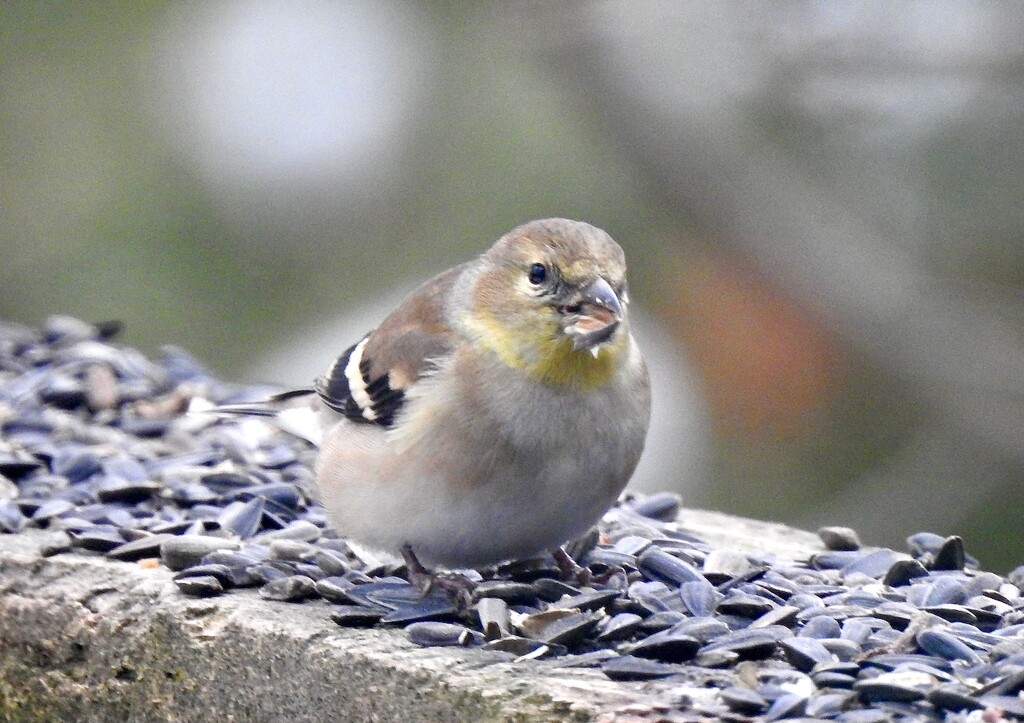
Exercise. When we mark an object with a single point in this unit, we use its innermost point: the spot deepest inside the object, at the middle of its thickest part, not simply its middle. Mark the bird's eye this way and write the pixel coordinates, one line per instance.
(538, 274)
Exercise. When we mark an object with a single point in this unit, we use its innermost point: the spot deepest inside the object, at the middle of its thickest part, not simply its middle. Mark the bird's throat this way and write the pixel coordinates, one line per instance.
(547, 356)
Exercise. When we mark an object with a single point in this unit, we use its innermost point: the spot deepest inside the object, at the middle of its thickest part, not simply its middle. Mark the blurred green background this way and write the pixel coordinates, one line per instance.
(820, 203)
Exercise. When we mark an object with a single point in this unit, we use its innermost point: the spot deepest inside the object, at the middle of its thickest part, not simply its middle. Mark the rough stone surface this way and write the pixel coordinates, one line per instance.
(88, 639)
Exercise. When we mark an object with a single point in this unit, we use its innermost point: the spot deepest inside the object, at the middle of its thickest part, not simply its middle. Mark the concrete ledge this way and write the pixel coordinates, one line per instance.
(88, 639)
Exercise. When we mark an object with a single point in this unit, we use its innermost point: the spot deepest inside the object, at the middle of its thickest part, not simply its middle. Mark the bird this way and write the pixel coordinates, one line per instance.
(496, 413)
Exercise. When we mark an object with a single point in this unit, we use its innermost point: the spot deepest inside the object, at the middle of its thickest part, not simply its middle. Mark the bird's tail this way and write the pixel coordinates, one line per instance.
(293, 411)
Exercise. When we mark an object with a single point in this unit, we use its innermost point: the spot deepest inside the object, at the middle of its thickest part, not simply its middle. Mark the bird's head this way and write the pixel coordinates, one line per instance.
(550, 299)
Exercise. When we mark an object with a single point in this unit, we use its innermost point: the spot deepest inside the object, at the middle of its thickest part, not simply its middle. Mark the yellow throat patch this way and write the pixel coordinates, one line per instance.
(547, 359)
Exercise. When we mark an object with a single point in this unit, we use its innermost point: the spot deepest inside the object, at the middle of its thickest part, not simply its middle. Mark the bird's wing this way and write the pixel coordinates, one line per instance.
(367, 383)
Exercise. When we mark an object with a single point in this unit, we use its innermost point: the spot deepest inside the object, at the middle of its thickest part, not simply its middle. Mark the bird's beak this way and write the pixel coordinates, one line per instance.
(594, 318)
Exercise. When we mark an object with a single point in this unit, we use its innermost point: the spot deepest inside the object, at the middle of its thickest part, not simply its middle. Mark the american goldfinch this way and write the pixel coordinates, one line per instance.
(497, 412)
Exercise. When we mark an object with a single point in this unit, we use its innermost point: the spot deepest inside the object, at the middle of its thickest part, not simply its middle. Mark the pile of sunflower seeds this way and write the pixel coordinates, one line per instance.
(98, 448)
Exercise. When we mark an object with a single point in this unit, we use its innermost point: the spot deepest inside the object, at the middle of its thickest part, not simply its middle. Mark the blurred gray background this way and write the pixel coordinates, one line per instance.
(821, 204)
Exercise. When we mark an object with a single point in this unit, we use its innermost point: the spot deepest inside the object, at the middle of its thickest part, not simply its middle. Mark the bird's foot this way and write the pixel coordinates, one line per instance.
(455, 584)
(571, 571)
